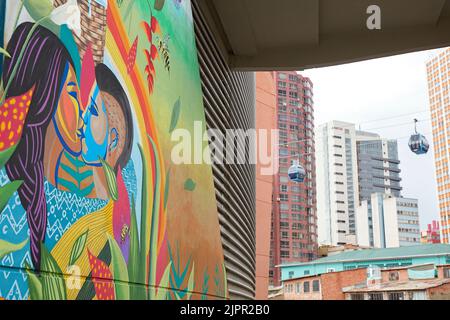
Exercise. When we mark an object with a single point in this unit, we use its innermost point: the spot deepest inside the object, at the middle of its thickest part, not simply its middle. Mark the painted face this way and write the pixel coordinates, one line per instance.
(117, 128)
(94, 137)
(67, 118)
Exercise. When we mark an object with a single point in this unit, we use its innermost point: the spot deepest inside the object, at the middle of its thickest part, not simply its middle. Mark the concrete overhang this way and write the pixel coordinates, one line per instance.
(258, 35)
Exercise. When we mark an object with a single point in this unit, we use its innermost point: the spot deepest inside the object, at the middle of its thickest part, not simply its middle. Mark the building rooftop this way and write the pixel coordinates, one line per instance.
(398, 286)
(380, 254)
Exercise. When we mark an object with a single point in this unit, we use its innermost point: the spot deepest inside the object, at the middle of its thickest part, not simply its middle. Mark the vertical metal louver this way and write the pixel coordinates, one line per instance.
(229, 99)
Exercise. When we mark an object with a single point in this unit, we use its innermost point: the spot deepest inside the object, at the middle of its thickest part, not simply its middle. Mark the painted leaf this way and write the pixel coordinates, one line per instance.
(78, 248)
(136, 292)
(53, 284)
(166, 189)
(189, 185)
(13, 113)
(5, 53)
(7, 247)
(131, 60)
(148, 31)
(159, 4)
(5, 155)
(191, 283)
(121, 218)
(34, 285)
(120, 271)
(38, 9)
(175, 115)
(102, 278)
(155, 220)
(7, 191)
(87, 291)
(164, 283)
(145, 222)
(110, 179)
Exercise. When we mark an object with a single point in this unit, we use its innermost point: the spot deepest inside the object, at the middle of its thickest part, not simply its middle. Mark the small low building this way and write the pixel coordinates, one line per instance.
(428, 289)
(436, 254)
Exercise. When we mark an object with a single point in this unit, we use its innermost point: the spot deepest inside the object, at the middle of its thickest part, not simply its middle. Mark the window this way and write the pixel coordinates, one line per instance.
(357, 296)
(306, 272)
(446, 272)
(393, 276)
(375, 296)
(284, 254)
(297, 288)
(291, 274)
(316, 286)
(284, 188)
(284, 225)
(306, 286)
(395, 296)
(330, 270)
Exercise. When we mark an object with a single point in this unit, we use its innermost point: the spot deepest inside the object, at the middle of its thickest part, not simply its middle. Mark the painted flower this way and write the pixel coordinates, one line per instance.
(12, 118)
(69, 14)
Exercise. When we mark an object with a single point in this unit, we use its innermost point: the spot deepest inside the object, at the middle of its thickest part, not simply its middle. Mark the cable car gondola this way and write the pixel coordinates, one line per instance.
(417, 142)
(296, 172)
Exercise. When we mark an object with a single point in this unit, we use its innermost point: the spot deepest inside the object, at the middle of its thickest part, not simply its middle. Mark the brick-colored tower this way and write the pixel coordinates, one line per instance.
(294, 219)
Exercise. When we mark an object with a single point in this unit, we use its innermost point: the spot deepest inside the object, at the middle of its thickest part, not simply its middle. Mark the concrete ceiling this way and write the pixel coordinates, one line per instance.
(299, 34)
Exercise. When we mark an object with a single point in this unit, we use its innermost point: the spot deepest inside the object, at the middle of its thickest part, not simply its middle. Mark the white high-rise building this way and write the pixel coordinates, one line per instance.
(385, 221)
(337, 183)
(351, 166)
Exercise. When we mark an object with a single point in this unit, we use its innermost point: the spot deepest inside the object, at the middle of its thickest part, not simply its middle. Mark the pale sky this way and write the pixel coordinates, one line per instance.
(384, 96)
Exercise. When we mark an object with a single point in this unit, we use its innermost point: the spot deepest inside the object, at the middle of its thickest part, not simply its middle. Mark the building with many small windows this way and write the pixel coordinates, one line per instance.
(439, 101)
(294, 235)
(385, 221)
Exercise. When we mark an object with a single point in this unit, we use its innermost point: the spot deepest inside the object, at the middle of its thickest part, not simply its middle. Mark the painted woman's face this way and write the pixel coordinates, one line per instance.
(94, 139)
(67, 119)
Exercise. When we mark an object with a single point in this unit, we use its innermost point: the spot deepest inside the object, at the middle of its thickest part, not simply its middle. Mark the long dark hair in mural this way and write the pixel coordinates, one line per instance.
(42, 67)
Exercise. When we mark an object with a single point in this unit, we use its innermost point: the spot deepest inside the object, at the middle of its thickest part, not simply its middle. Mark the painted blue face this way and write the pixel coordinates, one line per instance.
(95, 132)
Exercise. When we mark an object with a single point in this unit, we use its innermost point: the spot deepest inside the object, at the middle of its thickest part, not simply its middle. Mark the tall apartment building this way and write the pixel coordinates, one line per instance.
(438, 72)
(337, 182)
(351, 166)
(294, 221)
(386, 221)
(378, 165)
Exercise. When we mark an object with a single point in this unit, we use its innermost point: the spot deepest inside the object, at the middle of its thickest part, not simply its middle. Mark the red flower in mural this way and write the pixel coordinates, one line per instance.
(151, 53)
(102, 278)
(12, 118)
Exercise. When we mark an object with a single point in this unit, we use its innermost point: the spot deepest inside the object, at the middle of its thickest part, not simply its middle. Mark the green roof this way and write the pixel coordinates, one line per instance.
(381, 254)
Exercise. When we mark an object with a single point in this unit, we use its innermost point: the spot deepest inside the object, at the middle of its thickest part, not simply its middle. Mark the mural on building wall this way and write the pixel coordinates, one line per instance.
(91, 206)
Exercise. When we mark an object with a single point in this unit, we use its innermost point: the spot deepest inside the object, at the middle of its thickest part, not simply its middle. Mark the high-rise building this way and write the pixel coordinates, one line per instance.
(337, 183)
(378, 166)
(438, 87)
(351, 166)
(386, 221)
(432, 234)
(294, 235)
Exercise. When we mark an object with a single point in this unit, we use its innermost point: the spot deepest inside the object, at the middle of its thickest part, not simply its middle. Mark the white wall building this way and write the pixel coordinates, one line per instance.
(337, 183)
(352, 166)
(386, 221)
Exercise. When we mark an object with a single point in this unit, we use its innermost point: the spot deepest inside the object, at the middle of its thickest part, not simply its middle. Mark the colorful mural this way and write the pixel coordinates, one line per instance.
(91, 206)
